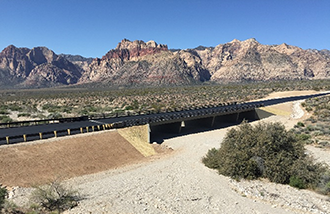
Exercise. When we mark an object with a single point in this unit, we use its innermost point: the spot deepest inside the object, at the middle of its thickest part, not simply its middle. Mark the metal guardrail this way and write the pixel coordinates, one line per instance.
(42, 122)
(58, 133)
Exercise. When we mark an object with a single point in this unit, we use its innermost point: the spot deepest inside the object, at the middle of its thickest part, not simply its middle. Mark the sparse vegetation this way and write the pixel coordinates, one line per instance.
(316, 129)
(72, 102)
(54, 197)
(3, 194)
(47, 199)
(266, 150)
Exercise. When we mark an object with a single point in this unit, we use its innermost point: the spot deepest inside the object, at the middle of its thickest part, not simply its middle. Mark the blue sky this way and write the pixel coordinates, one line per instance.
(91, 28)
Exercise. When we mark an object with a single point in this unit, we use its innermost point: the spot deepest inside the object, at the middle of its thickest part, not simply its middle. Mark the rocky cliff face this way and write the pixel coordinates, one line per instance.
(140, 63)
(251, 61)
(37, 67)
(149, 63)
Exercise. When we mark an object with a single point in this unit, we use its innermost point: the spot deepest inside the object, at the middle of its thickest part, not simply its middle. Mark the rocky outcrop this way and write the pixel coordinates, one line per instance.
(36, 67)
(81, 62)
(127, 50)
(251, 61)
(140, 63)
(149, 63)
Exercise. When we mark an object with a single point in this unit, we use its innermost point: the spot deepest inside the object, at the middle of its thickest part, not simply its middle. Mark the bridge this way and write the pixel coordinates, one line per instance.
(172, 121)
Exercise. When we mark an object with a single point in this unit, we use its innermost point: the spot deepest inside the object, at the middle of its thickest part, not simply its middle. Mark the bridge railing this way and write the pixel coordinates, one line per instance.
(156, 118)
(42, 122)
(106, 116)
(56, 133)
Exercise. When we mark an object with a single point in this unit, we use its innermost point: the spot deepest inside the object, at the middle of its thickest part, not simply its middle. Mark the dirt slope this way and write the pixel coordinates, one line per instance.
(36, 163)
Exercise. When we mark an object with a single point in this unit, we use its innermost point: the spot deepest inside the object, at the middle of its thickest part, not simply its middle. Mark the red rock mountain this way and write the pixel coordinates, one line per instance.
(137, 62)
(149, 63)
(250, 60)
(37, 67)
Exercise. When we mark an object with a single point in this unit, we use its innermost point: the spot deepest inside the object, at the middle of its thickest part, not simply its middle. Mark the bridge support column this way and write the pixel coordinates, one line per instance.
(237, 117)
(149, 132)
(213, 120)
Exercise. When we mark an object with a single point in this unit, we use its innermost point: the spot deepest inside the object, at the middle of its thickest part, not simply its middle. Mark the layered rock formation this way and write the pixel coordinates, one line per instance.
(37, 67)
(149, 63)
(251, 61)
(140, 63)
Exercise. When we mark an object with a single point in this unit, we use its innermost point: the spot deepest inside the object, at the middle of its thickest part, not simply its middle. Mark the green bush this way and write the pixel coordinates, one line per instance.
(3, 195)
(265, 150)
(211, 159)
(297, 182)
(324, 184)
(24, 115)
(5, 119)
(300, 124)
(303, 137)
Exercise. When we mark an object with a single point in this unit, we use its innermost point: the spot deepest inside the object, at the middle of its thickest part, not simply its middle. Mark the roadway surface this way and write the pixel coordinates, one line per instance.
(15, 134)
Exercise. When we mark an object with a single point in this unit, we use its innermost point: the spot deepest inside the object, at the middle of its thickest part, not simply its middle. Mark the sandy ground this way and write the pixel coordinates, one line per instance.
(178, 182)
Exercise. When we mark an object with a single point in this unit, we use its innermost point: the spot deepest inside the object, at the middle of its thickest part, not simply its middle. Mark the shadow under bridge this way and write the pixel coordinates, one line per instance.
(194, 122)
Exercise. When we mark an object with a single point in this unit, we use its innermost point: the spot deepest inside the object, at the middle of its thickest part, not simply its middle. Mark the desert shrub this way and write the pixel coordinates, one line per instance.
(55, 197)
(3, 195)
(303, 137)
(11, 208)
(300, 124)
(24, 115)
(55, 115)
(5, 119)
(324, 184)
(323, 143)
(297, 182)
(15, 107)
(309, 173)
(310, 128)
(210, 160)
(3, 111)
(265, 150)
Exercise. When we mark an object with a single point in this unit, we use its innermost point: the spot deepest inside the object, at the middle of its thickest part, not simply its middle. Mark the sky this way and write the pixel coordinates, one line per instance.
(92, 28)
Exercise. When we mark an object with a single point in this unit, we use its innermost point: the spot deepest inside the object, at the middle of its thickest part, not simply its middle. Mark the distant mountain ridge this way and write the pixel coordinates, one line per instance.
(148, 63)
(37, 67)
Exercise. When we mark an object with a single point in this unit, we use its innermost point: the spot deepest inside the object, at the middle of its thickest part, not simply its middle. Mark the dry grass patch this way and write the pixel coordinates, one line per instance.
(138, 136)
